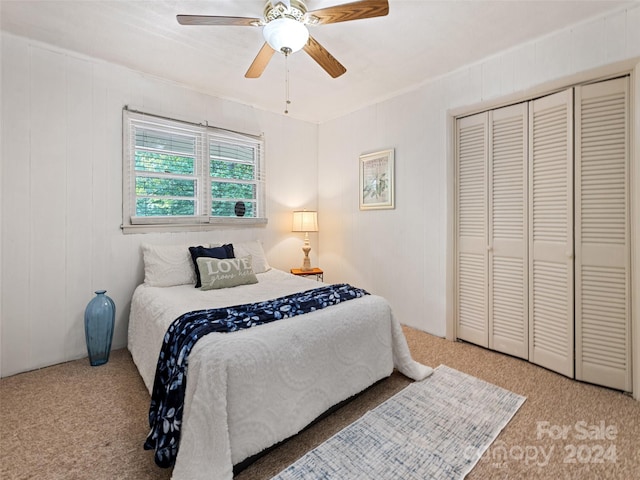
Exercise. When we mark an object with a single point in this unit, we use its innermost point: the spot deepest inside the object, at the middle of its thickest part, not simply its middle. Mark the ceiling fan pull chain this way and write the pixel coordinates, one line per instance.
(286, 52)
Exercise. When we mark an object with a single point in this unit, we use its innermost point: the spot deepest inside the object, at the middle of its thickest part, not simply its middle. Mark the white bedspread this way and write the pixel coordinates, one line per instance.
(250, 389)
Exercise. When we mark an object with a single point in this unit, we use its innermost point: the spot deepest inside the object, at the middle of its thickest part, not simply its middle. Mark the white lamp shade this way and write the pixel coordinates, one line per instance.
(285, 33)
(305, 221)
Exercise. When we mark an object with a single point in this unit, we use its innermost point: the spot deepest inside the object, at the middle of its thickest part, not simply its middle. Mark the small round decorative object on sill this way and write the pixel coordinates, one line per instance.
(99, 319)
(240, 209)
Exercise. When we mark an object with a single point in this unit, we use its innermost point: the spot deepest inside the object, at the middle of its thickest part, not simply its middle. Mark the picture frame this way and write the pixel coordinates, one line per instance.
(377, 182)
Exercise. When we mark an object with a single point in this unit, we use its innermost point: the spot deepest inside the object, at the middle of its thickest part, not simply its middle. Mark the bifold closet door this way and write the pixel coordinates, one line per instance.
(551, 331)
(603, 332)
(508, 239)
(471, 229)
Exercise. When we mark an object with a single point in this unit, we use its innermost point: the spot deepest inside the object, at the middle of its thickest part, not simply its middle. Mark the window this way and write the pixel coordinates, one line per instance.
(179, 174)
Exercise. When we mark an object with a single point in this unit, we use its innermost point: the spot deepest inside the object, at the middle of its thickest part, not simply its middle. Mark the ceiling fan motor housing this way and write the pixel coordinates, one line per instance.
(277, 9)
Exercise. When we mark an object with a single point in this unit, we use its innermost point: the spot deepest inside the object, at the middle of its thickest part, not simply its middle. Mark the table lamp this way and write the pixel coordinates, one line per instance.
(305, 221)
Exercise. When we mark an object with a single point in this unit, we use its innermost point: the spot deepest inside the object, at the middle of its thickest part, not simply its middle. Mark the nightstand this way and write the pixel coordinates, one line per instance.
(306, 273)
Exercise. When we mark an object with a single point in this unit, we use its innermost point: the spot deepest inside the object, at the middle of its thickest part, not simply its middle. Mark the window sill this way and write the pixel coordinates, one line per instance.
(214, 223)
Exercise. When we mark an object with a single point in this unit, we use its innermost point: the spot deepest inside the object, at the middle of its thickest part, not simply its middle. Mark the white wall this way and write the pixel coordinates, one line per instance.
(61, 193)
(401, 254)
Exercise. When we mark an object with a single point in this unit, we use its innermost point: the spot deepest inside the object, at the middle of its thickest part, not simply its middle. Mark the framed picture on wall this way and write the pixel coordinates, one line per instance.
(376, 180)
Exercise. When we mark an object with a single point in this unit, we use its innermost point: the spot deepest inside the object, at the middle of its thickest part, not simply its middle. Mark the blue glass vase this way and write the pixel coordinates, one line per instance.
(99, 318)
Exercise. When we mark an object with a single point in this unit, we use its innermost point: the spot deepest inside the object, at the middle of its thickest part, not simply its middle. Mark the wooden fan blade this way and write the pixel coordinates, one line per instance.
(260, 62)
(350, 11)
(327, 61)
(215, 20)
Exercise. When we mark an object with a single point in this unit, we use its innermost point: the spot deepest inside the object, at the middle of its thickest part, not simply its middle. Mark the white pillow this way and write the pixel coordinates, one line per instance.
(253, 248)
(167, 265)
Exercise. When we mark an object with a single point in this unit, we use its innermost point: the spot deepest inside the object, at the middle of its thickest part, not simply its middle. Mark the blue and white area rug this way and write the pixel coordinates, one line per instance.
(434, 429)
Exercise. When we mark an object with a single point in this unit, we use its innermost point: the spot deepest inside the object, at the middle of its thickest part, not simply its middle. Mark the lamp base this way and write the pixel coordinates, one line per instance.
(306, 263)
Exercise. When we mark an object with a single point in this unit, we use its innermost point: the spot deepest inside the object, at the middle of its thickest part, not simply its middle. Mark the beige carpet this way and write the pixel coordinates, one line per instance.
(74, 421)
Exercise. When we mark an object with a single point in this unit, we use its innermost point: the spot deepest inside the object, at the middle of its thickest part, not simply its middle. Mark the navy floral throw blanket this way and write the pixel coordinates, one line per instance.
(169, 386)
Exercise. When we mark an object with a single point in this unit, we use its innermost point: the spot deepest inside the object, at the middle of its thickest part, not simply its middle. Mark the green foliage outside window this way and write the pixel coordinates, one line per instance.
(156, 194)
(240, 171)
(165, 187)
(163, 163)
(226, 194)
(238, 191)
(153, 207)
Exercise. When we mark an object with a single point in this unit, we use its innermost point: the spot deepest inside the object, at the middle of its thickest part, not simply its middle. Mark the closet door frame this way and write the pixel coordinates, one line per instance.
(634, 226)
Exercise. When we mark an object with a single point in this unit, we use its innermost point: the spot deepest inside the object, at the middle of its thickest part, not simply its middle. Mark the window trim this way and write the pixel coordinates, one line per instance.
(134, 224)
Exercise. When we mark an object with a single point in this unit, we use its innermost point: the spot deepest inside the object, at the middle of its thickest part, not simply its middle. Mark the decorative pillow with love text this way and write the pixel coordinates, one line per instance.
(224, 273)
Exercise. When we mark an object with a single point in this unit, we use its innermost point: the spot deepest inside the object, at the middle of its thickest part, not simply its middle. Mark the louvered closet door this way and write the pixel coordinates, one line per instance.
(508, 240)
(551, 232)
(603, 335)
(471, 228)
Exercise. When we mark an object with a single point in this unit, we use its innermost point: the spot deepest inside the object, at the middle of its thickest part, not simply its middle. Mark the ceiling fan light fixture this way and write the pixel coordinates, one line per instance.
(285, 35)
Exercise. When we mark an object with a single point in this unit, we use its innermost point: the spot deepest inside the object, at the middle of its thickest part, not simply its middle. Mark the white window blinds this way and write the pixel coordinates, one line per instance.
(181, 173)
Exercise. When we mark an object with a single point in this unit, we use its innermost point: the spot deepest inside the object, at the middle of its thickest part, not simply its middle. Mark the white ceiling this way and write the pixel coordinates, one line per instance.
(418, 40)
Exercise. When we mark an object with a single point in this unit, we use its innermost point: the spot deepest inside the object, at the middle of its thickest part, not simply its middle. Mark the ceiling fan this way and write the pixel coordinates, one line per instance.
(285, 29)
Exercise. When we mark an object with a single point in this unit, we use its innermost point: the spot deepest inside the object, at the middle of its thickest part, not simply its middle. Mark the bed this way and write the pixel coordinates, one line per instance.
(253, 388)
